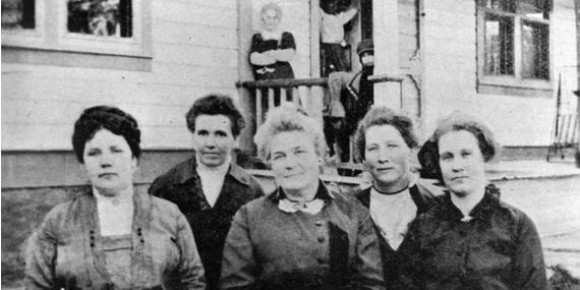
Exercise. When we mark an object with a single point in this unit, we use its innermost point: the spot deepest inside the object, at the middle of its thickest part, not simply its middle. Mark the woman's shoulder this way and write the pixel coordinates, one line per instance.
(513, 214)
(68, 211)
(164, 205)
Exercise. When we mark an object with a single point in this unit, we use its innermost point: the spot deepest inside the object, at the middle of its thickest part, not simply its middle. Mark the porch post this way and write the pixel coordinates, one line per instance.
(316, 92)
(577, 155)
(245, 101)
(386, 41)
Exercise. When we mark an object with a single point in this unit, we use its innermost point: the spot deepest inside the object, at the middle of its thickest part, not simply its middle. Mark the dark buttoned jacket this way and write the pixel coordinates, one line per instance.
(210, 225)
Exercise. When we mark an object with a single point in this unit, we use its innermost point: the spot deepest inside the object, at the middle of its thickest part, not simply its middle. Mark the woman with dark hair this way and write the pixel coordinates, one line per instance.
(384, 141)
(112, 237)
(471, 240)
(303, 235)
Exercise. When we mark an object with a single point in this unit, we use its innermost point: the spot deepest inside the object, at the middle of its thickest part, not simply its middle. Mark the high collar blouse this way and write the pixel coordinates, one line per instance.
(498, 248)
(67, 250)
(270, 248)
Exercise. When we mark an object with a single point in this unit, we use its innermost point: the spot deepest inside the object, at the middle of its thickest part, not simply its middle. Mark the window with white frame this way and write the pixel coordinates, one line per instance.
(113, 28)
(514, 46)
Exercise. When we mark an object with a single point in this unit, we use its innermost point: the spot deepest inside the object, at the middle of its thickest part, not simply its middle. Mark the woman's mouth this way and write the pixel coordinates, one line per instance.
(107, 175)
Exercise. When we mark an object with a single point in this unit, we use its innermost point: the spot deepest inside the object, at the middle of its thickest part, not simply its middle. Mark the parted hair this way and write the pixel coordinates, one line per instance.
(271, 6)
(457, 121)
(288, 118)
(377, 116)
(113, 119)
(216, 104)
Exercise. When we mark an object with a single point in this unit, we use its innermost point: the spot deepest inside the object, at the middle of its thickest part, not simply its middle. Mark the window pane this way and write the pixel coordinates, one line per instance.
(502, 5)
(100, 17)
(499, 47)
(538, 9)
(535, 50)
(18, 14)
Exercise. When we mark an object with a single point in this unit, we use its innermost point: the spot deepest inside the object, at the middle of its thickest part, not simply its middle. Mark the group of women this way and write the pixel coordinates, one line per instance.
(401, 233)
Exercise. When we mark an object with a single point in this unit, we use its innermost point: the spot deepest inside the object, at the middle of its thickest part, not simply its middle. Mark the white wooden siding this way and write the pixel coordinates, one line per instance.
(195, 52)
(451, 75)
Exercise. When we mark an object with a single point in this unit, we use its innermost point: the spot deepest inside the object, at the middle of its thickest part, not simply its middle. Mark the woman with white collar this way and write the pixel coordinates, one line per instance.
(385, 140)
(303, 235)
(271, 51)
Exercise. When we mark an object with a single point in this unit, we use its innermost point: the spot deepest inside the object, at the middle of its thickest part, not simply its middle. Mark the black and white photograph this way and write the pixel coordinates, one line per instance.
(290, 144)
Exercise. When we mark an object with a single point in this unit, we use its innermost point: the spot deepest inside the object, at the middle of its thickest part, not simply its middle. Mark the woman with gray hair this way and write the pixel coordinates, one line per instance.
(302, 236)
(471, 240)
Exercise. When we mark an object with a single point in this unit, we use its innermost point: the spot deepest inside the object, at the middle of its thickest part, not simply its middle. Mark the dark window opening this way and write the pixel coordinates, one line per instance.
(18, 14)
(111, 18)
(535, 50)
(499, 46)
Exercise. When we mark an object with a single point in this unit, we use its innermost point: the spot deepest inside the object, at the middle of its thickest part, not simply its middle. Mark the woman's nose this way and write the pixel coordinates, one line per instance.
(210, 142)
(106, 160)
(383, 156)
(290, 161)
(457, 165)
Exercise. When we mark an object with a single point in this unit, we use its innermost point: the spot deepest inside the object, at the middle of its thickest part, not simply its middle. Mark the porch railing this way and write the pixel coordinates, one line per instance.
(303, 92)
(309, 93)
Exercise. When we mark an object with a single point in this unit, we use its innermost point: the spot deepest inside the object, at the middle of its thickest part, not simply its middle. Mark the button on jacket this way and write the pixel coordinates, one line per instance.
(497, 248)
(182, 186)
(269, 247)
(425, 196)
(67, 250)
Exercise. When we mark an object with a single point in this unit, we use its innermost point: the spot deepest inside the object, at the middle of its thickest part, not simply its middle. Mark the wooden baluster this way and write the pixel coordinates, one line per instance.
(296, 96)
(270, 99)
(283, 95)
(576, 119)
(569, 125)
(259, 107)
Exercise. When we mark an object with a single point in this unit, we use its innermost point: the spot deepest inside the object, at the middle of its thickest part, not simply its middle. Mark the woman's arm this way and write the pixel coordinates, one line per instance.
(239, 266)
(190, 268)
(257, 58)
(529, 269)
(40, 257)
(287, 48)
(369, 267)
(281, 54)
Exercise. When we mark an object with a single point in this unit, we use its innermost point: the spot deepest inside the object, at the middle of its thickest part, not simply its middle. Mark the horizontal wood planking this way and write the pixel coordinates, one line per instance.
(29, 169)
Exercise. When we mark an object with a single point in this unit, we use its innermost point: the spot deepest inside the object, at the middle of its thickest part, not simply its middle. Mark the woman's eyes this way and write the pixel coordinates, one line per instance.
(116, 150)
(96, 152)
(445, 157)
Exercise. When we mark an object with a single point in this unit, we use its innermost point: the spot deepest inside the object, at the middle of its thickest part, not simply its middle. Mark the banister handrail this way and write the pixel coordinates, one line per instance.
(286, 83)
(283, 83)
(386, 78)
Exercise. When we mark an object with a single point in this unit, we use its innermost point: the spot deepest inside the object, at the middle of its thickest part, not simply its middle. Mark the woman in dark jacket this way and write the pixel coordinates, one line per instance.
(302, 236)
(112, 237)
(385, 140)
(471, 240)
